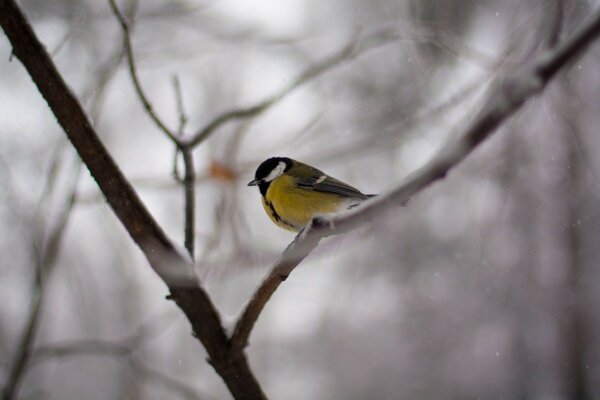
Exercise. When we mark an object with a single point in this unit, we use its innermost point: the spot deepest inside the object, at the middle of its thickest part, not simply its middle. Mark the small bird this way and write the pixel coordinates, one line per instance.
(294, 192)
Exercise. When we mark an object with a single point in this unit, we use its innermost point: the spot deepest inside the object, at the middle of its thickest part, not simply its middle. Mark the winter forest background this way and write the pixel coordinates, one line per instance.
(485, 285)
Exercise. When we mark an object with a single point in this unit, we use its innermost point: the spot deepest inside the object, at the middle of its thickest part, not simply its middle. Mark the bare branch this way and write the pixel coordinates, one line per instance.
(79, 347)
(183, 118)
(173, 268)
(44, 265)
(134, 76)
(352, 50)
(109, 349)
(189, 182)
(505, 98)
(47, 247)
(556, 24)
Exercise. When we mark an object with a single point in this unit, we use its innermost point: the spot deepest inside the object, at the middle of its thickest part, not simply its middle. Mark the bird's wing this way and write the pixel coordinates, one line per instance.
(321, 182)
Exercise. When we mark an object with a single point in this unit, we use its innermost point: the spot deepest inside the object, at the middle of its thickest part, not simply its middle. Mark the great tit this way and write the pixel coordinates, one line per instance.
(294, 192)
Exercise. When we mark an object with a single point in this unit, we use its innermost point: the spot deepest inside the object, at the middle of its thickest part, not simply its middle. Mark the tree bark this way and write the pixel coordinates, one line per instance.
(175, 269)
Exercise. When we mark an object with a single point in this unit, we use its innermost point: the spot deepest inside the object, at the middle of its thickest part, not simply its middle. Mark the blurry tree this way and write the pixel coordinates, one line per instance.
(483, 286)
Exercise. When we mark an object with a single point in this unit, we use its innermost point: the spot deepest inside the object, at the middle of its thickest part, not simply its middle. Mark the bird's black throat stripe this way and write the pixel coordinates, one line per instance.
(276, 216)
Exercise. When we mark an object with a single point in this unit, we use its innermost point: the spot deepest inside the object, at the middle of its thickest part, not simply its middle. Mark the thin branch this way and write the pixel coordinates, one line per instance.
(80, 347)
(352, 50)
(504, 99)
(189, 183)
(175, 173)
(189, 179)
(44, 266)
(24, 347)
(105, 73)
(121, 347)
(556, 24)
(404, 123)
(109, 349)
(47, 248)
(183, 118)
(134, 75)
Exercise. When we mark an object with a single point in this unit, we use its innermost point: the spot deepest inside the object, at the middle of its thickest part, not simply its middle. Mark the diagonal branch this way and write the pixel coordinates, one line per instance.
(556, 24)
(173, 268)
(352, 50)
(134, 76)
(44, 264)
(506, 96)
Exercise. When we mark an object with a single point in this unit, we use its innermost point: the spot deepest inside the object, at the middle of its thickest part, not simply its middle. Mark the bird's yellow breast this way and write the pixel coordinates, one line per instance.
(291, 207)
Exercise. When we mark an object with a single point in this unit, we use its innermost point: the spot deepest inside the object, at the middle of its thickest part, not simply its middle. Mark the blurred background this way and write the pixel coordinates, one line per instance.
(485, 286)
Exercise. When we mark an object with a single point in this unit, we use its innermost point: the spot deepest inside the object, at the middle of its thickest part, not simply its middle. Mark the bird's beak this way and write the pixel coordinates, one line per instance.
(253, 182)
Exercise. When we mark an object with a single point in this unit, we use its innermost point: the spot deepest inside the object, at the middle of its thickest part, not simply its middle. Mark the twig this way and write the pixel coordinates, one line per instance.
(404, 123)
(505, 98)
(105, 73)
(189, 178)
(556, 24)
(109, 349)
(183, 118)
(48, 252)
(79, 347)
(24, 348)
(189, 182)
(352, 50)
(134, 76)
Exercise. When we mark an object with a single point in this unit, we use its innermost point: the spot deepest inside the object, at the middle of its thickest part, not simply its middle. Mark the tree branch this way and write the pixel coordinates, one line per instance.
(556, 24)
(108, 349)
(183, 118)
(506, 96)
(44, 263)
(134, 76)
(189, 182)
(173, 268)
(352, 50)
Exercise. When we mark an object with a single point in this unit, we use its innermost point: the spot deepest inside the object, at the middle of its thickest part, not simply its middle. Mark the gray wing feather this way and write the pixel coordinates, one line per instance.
(327, 184)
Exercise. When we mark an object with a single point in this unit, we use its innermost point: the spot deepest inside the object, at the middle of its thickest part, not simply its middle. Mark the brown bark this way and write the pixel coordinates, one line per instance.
(172, 267)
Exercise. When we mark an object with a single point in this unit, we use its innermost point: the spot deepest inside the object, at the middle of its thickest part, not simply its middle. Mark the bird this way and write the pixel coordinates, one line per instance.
(293, 193)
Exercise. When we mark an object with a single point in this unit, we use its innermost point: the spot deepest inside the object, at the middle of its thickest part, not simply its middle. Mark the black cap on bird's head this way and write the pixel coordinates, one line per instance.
(268, 170)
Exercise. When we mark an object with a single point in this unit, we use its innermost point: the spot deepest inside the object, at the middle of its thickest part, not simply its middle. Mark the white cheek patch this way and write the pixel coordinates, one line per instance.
(276, 172)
